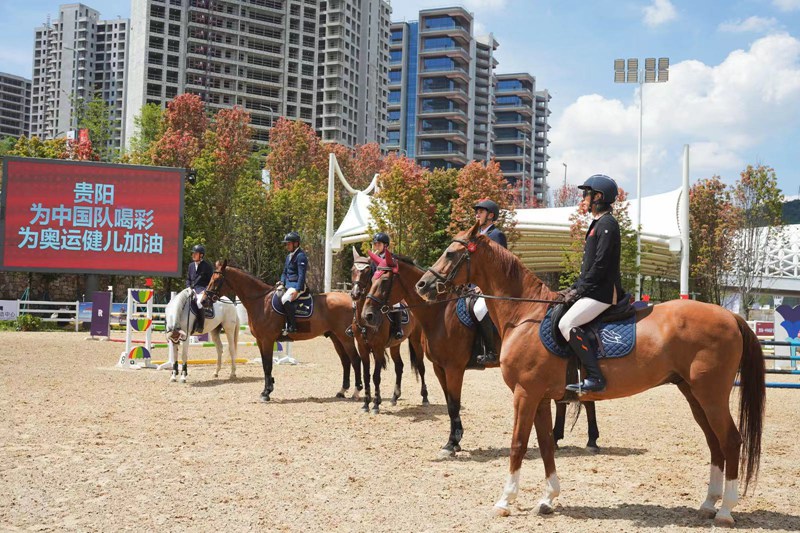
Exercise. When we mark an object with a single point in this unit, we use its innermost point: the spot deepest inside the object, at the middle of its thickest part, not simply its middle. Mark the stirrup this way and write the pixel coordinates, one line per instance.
(588, 385)
(488, 358)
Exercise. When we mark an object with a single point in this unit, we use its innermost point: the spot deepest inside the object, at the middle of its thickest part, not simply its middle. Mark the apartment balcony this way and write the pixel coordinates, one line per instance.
(452, 114)
(446, 72)
(450, 135)
(513, 123)
(447, 155)
(455, 52)
(519, 140)
(454, 93)
(520, 91)
(453, 31)
(508, 157)
(394, 105)
(516, 108)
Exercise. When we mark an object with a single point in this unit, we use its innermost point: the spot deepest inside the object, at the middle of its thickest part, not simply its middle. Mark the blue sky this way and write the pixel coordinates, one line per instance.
(733, 94)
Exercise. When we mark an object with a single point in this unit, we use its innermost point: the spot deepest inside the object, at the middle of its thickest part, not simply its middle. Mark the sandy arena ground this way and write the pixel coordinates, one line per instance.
(85, 446)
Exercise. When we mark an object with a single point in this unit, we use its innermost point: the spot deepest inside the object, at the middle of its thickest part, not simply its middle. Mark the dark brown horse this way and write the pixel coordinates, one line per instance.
(376, 340)
(448, 344)
(698, 347)
(332, 314)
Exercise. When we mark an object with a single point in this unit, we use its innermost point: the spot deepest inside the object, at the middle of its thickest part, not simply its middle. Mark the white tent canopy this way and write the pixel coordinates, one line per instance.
(544, 233)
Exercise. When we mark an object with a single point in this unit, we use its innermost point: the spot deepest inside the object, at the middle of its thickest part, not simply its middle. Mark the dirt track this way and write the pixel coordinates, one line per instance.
(85, 446)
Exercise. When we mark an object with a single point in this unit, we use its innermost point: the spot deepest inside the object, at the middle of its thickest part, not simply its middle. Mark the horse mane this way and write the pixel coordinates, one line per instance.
(406, 259)
(250, 277)
(510, 266)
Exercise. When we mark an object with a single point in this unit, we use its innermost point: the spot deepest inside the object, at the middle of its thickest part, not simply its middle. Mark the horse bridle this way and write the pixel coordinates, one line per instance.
(212, 294)
(385, 307)
(443, 283)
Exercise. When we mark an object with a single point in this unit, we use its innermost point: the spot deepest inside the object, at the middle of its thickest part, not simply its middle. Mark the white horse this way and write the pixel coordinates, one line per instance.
(180, 323)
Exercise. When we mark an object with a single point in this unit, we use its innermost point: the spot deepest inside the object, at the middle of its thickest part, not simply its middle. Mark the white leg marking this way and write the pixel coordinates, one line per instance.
(729, 500)
(715, 484)
(552, 488)
(509, 494)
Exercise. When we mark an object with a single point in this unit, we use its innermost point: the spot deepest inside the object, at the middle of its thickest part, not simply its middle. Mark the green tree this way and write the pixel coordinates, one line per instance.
(712, 221)
(148, 127)
(758, 202)
(7, 145)
(97, 116)
(442, 190)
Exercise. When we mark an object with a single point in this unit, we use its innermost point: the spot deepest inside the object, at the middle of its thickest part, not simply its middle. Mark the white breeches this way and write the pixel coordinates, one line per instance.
(582, 312)
(289, 296)
(480, 309)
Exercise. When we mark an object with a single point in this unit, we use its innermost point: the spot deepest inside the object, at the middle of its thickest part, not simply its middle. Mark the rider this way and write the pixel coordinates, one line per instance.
(199, 277)
(486, 214)
(599, 285)
(293, 278)
(380, 246)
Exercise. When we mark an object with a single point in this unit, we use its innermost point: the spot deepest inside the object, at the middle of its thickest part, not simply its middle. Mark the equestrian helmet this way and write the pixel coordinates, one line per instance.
(381, 237)
(602, 184)
(490, 205)
(199, 248)
(292, 236)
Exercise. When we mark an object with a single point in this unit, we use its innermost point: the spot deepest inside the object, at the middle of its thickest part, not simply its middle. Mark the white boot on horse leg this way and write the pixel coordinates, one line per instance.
(552, 488)
(730, 498)
(708, 509)
(510, 491)
(174, 377)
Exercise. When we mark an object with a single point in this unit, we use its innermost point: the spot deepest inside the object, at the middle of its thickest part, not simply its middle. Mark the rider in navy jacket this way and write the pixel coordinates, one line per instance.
(199, 277)
(486, 214)
(293, 278)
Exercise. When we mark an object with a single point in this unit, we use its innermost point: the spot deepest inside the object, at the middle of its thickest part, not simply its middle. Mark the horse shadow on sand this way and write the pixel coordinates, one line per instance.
(648, 515)
(484, 455)
(218, 382)
(418, 413)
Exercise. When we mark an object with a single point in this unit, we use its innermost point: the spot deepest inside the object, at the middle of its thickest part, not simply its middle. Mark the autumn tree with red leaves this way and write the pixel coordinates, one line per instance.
(475, 182)
(185, 122)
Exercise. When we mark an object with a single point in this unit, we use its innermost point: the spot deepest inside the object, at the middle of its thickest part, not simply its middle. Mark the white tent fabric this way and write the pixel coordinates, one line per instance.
(356, 222)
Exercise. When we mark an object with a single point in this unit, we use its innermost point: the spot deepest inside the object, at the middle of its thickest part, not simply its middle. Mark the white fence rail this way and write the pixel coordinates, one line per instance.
(52, 311)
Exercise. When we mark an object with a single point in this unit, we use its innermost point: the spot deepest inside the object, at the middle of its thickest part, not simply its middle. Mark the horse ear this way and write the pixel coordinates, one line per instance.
(475, 230)
(356, 255)
(224, 265)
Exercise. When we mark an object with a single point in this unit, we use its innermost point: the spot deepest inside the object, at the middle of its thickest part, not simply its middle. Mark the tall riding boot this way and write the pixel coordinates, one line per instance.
(291, 323)
(486, 330)
(584, 348)
(396, 328)
(199, 322)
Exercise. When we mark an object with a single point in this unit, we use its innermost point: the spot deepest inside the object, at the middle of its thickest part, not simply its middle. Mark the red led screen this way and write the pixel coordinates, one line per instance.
(94, 218)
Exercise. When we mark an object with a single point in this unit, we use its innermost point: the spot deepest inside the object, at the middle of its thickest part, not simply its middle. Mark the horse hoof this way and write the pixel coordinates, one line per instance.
(425, 402)
(544, 508)
(393, 403)
(501, 512)
(233, 376)
(555, 445)
(216, 375)
(593, 449)
(173, 379)
(365, 409)
(340, 395)
(264, 398)
(376, 411)
(183, 379)
(707, 512)
(444, 453)
(723, 521)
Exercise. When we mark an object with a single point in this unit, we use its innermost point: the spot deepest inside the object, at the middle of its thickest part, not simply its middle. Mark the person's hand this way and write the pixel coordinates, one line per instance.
(567, 296)
(477, 290)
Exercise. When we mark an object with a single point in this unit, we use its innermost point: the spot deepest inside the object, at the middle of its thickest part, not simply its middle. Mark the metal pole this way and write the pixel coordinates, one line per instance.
(565, 175)
(639, 194)
(684, 211)
(329, 225)
(524, 143)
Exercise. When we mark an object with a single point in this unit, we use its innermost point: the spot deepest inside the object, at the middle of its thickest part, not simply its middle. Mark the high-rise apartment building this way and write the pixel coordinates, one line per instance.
(15, 105)
(440, 89)
(324, 62)
(447, 106)
(77, 57)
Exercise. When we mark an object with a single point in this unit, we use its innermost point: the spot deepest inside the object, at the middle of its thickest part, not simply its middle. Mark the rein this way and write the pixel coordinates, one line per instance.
(215, 296)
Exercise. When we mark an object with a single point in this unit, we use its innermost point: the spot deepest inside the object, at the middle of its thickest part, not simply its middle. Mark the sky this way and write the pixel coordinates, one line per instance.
(733, 95)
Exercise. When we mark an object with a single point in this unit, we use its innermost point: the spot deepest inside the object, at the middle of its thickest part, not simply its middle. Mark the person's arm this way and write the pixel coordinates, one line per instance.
(189, 277)
(302, 265)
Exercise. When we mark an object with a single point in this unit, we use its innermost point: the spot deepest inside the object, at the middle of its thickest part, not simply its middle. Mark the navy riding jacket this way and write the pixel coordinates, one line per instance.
(496, 235)
(199, 275)
(600, 272)
(294, 270)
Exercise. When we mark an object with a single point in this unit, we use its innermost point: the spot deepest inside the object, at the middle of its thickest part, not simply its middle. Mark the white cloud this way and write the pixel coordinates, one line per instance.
(750, 24)
(787, 5)
(660, 12)
(725, 112)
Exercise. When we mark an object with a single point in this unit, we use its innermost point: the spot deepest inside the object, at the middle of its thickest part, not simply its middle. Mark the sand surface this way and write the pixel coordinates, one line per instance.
(85, 446)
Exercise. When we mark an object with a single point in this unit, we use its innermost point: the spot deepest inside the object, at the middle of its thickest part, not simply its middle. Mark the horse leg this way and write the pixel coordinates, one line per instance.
(715, 484)
(365, 363)
(345, 359)
(525, 410)
(594, 432)
(266, 363)
(418, 360)
(398, 373)
(175, 371)
(454, 378)
(233, 346)
(561, 418)
(376, 380)
(552, 488)
(184, 359)
(218, 345)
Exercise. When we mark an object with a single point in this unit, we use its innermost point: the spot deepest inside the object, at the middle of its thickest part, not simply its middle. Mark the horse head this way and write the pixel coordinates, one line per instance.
(381, 292)
(359, 275)
(214, 289)
(447, 274)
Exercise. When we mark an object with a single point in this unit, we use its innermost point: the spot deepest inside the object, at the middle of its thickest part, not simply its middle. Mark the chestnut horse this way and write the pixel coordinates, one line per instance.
(332, 314)
(375, 340)
(697, 346)
(448, 343)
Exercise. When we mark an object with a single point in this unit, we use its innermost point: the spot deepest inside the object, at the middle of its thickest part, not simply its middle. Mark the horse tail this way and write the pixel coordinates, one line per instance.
(751, 401)
(416, 359)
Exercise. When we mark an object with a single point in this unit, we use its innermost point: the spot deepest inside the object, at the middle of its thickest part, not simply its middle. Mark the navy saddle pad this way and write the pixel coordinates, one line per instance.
(463, 313)
(617, 338)
(401, 311)
(305, 305)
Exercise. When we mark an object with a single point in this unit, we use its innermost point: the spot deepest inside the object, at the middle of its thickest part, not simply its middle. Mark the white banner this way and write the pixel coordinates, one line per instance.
(9, 309)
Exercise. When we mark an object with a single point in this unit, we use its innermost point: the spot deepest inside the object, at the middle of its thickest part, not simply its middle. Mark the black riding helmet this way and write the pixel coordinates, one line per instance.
(602, 184)
(381, 237)
(292, 236)
(199, 248)
(490, 205)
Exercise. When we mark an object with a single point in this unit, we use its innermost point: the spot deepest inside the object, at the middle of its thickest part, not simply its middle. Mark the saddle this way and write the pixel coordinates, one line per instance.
(208, 312)
(305, 305)
(614, 330)
(399, 313)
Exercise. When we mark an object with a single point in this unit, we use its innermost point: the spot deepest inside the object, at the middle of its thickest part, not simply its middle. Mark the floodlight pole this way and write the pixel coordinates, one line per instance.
(640, 79)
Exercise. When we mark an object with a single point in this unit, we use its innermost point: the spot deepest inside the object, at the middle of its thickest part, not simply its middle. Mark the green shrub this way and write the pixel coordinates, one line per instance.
(28, 323)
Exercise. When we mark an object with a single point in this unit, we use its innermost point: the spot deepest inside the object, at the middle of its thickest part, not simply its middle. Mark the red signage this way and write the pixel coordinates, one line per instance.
(93, 218)
(765, 329)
